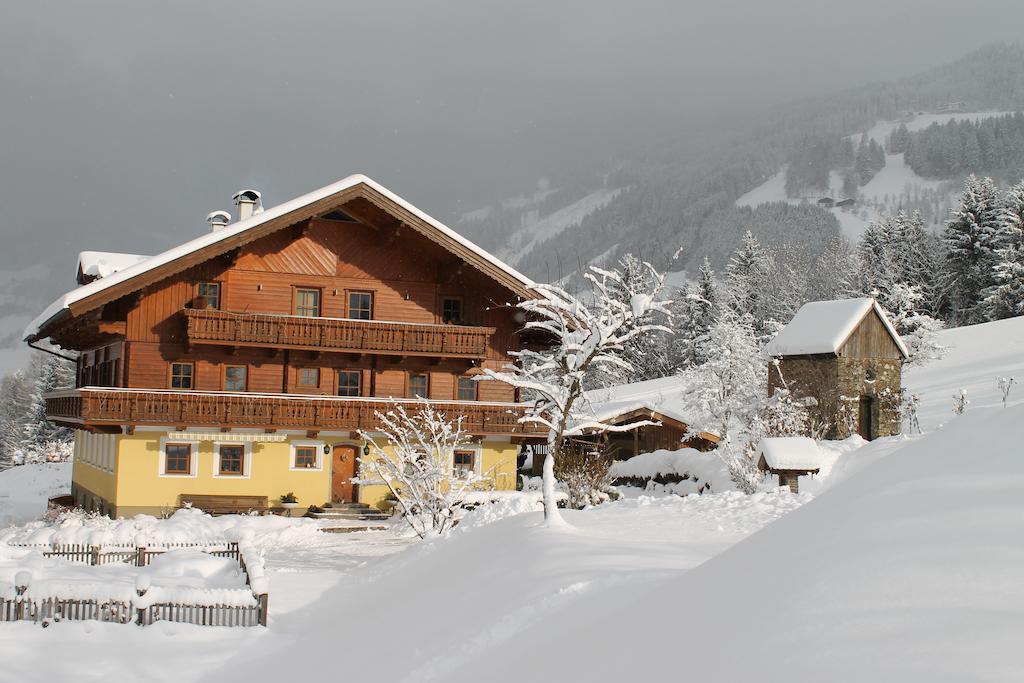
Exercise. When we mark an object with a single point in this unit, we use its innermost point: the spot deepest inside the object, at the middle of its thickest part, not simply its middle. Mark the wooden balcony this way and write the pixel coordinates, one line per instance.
(101, 407)
(336, 334)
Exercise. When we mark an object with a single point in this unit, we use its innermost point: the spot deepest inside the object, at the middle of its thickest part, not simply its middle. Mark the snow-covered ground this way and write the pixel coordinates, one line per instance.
(902, 565)
(24, 490)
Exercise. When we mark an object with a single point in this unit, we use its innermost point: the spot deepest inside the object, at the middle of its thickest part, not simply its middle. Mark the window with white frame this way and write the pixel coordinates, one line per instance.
(307, 455)
(232, 460)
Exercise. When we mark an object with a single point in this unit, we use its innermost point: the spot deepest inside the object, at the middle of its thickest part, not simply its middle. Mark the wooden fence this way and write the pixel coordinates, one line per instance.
(46, 610)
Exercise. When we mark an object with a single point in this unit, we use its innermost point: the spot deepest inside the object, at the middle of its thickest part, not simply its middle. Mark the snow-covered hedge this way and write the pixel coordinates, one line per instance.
(684, 471)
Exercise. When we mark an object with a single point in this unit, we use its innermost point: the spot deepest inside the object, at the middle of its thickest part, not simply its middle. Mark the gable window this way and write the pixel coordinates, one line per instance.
(178, 458)
(305, 457)
(210, 291)
(309, 377)
(451, 310)
(235, 377)
(232, 461)
(182, 375)
(419, 385)
(348, 382)
(360, 305)
(466, 389)
(307, 302)
(463, 463)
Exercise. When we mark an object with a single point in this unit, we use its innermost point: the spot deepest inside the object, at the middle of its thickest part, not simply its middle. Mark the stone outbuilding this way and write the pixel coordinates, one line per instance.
(845, 359)
(789, 458)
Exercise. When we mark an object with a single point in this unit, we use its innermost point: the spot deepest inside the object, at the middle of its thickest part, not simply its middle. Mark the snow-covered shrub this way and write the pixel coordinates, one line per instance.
(585, 475)
(704, 472)
(415, 462)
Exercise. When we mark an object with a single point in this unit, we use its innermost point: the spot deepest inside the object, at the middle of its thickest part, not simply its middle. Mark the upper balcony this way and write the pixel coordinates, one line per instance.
(112, 408)
(336, 334)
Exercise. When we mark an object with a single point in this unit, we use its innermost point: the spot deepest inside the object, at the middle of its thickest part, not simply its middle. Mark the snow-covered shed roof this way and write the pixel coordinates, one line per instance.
(790, 453)
(88, 296)
(669, 397)
(99, 264)
(824, 326)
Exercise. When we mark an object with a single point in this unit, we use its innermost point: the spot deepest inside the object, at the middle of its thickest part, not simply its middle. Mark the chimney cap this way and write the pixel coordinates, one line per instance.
(218, 217)
(246, 195)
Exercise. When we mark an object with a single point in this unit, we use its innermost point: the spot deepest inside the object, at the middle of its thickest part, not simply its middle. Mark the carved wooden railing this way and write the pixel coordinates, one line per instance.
(98, 406)
(335, 334)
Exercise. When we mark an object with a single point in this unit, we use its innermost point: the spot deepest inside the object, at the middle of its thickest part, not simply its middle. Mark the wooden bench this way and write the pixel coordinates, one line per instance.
(225, 505)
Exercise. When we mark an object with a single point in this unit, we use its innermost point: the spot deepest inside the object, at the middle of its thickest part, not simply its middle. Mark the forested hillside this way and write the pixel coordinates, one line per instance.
(682, 195)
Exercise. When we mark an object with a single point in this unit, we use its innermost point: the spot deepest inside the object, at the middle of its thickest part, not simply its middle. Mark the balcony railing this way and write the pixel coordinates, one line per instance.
(109, 407)
(336, 334)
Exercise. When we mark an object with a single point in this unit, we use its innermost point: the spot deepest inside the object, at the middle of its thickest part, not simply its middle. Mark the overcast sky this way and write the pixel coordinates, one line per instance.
(124, 124)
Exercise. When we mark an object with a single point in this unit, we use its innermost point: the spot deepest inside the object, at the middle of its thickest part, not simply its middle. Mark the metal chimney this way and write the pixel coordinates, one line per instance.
(218, 219)
(248, 203)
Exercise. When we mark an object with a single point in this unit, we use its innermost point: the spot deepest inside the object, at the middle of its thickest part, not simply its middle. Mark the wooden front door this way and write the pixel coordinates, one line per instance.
(343, 468)
(864, 422)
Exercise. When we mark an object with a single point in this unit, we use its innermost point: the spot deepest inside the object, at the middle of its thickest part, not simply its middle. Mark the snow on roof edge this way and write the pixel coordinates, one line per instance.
(807, 343)
(63, 302)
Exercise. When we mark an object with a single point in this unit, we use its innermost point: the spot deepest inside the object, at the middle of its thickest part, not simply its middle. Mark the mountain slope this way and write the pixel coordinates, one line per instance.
(682, 192)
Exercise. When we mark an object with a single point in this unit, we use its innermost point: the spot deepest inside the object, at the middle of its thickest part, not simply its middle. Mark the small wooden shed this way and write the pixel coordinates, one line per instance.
(845, 359)
(789, 458)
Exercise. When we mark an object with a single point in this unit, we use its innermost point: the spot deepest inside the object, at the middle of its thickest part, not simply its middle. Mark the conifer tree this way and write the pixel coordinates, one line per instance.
(971, 241)
(1005, 297)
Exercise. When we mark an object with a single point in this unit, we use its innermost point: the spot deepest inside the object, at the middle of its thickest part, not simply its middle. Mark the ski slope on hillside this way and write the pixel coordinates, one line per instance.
(895, 181)
(536, 229)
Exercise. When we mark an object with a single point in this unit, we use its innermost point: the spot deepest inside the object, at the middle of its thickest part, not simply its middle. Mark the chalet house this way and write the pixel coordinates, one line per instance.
(240, 365)
(663, 402)
(845, 357)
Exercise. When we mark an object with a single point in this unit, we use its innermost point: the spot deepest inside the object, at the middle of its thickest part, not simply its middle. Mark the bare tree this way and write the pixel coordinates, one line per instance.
(577, 338)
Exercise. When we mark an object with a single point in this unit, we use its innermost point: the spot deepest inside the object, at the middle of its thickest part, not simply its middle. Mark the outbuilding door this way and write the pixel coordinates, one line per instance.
(343, 468)
(864, 414)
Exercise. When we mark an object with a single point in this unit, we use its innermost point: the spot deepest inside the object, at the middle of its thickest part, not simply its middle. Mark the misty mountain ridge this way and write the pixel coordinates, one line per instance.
(767, 175)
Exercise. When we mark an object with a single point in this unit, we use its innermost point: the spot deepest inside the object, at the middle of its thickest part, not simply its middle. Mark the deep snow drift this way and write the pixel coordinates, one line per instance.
(907, 571)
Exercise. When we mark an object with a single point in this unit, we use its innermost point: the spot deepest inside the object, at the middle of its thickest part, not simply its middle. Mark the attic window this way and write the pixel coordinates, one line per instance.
(339, 215)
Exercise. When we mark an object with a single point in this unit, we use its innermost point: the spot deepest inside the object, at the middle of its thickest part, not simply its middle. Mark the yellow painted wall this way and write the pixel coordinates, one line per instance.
(136, 485)
(139, 483)
(498, 462)
(94, 468)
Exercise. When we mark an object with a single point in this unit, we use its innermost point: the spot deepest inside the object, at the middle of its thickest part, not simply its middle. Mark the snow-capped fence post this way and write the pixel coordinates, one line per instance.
(140, 550)
(141, 588)
(262, 599)
(94, 560)
(21, 583)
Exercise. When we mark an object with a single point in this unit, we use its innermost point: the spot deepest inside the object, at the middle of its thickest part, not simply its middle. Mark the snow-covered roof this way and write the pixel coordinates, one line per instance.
(668, 396)
(790, 453)
(100, 264)
(824, 326)
(212, 238)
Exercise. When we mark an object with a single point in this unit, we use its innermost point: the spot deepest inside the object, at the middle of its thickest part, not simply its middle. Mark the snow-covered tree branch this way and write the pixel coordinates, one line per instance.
(577, 338)
(412, 453)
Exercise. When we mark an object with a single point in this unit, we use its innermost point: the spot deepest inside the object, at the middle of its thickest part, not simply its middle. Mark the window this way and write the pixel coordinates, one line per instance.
(235, 378)
(463, 463)
(210, 291)
(467, 389)
(305, 457)
(451, 310)
(348, 382)
(232, 459)
(309, 377)
(182, 375)
(178, 458)
(419, 385)
(307, 302)
(360, 305)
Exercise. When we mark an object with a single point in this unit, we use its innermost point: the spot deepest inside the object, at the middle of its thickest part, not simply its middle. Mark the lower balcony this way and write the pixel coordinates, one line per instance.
(103, 407)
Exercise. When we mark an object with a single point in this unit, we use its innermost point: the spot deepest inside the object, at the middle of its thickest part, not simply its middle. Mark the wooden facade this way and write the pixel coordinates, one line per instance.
(370, 306)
